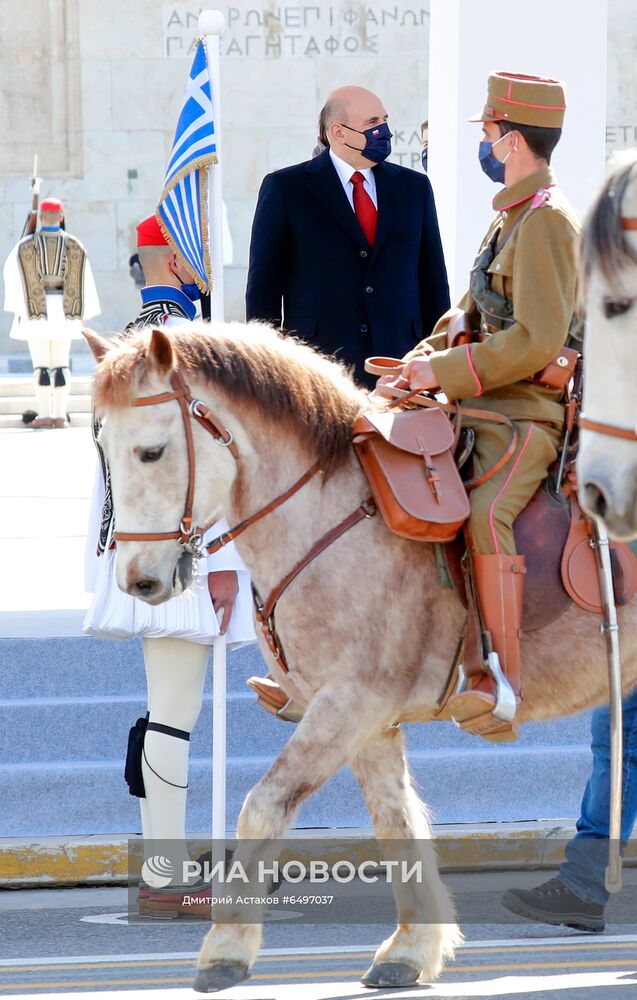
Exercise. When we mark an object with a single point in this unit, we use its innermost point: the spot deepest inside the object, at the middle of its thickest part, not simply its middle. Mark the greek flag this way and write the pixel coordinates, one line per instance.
(183, 209)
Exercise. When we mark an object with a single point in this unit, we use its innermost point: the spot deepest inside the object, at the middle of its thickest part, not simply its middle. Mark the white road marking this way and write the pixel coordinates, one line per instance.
(518, 986)
(122, 918)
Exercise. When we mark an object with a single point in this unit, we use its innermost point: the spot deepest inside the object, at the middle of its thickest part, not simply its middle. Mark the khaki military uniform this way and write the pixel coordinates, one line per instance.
(535, 269)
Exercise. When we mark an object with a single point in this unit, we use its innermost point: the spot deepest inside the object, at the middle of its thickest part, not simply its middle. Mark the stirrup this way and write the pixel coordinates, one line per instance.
(463, 681)
(505, 701)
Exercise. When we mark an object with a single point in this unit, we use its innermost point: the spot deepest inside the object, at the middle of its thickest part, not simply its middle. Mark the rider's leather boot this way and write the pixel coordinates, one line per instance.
(499, 582)
(274, 699)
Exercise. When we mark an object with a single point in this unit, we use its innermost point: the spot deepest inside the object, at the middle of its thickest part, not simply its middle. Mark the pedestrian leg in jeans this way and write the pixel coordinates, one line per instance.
(587, 853)
(577, 896)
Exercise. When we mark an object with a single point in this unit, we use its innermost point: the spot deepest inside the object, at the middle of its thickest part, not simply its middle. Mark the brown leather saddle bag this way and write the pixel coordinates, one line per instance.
(407, 457)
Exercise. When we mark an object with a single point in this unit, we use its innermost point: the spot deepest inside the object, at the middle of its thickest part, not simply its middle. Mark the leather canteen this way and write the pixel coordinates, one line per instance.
(408, 460)
(559, 371)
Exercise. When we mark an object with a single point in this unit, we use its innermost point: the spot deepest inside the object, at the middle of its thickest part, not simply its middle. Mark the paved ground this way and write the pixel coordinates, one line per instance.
(46, 485)
(78, 940)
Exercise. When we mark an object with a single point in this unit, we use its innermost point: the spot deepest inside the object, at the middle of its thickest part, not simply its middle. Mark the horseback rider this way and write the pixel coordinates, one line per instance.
(520, 304)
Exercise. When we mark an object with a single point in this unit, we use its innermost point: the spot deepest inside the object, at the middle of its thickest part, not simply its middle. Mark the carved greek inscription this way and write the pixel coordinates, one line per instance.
(299, 30)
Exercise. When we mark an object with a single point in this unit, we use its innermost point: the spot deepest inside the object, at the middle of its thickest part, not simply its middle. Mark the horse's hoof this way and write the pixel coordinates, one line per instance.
(391, 974)
(220, 976)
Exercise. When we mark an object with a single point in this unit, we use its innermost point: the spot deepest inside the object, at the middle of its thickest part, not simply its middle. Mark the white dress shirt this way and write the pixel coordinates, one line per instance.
(345, 171)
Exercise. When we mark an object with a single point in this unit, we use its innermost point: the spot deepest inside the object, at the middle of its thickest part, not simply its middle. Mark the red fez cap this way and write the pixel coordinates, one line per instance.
(51, 205)
(149, 233)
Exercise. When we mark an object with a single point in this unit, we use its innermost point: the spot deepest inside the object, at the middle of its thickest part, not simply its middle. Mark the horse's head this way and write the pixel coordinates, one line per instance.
(145, 441)
(275, 408)
(607, 462)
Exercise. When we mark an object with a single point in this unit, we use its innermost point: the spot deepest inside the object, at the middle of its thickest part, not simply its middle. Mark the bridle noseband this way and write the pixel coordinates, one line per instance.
(595, 426)
(191, 409)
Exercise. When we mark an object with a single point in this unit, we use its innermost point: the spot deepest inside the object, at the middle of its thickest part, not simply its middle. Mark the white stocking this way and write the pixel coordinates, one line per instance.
(60, 350)
(40, 351)
(175, 675)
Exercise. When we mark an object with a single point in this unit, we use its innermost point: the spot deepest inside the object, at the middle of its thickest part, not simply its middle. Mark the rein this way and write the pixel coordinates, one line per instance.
(595, 426)
(191, 538)
(608, 430)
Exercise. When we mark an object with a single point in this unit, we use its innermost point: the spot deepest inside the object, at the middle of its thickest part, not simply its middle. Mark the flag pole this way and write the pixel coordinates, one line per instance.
(212, 24)
(211, 27)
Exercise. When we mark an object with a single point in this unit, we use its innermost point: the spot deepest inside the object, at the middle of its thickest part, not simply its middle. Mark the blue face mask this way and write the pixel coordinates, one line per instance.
(378, 142)
(192, 291)
(425, 158)
(492, 166)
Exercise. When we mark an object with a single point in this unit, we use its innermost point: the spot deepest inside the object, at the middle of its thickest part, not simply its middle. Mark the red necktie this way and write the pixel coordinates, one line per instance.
(364, 207)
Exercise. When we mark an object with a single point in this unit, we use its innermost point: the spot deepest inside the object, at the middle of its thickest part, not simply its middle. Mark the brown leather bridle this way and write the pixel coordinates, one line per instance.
(191, 538)
(611, 430)
(188, 536)
(608, 430)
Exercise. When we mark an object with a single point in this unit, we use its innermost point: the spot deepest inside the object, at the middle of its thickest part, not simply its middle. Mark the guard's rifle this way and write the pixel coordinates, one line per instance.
(32, 216)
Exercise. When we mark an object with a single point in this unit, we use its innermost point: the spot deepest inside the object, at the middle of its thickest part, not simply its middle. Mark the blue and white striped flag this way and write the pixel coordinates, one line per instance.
(183, 209)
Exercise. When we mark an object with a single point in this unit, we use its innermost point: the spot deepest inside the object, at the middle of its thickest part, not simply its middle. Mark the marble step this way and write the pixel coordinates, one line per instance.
(16, 405)
(21, 385)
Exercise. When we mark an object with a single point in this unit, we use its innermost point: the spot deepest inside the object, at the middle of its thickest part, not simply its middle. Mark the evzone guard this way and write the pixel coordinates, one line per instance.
(176, 635)
(49, 287)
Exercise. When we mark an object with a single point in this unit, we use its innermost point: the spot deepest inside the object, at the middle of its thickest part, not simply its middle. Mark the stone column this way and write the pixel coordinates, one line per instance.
(555, 38)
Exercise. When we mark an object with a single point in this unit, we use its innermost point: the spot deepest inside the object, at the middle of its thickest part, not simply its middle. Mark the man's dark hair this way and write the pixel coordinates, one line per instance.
(541, 141)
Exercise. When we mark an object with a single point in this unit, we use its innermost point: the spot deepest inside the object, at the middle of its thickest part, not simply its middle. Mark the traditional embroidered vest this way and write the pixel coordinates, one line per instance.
(53, 263)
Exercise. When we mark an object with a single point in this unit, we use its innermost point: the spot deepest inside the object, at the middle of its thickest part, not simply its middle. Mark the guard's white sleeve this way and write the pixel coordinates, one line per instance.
(91, 301)
(13, 287)
(227, 557)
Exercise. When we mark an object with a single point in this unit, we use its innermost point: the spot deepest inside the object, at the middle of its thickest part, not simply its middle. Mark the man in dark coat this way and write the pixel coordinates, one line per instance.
(345, 248)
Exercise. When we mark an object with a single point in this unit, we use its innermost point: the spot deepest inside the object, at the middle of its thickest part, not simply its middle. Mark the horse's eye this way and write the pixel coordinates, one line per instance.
(151, 454)
(616, 307)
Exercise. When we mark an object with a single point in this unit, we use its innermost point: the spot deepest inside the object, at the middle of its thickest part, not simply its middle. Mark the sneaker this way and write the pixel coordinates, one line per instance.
(553, 903)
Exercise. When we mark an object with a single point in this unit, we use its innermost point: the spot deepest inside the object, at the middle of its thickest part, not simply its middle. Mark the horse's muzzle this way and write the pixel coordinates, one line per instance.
(149, 589)
(614, 502)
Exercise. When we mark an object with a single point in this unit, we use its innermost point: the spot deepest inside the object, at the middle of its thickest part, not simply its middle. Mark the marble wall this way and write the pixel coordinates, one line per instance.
(94, 88)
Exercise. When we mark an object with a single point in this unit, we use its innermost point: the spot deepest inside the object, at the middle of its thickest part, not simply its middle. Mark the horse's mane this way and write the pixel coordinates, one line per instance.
(285, 381)
(604, 244)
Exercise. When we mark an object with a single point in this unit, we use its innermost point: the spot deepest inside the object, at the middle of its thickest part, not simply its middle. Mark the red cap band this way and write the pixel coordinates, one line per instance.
(149, 233)
(51, 205)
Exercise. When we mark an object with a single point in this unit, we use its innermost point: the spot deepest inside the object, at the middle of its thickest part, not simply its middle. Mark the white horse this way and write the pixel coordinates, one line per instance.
(368, 633)
(607, 462)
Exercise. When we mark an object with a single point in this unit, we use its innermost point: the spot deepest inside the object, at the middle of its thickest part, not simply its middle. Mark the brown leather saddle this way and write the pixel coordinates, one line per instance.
(561, 566)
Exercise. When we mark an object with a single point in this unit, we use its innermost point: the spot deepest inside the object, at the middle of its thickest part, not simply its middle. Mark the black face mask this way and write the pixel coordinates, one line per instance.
(378, 142)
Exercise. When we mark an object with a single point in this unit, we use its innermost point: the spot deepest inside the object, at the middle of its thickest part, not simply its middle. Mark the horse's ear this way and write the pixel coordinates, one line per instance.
(160, 351)
(99, 345)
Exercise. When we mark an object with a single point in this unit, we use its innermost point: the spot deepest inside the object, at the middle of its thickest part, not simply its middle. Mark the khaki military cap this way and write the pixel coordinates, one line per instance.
(526, 100)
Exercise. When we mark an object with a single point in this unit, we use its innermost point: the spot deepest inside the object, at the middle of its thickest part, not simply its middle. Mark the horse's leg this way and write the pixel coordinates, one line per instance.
(340, 719)
(427, 933)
